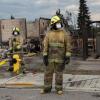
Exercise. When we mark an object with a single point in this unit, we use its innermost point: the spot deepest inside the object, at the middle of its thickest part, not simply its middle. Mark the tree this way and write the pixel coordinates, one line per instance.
(84, 26)
(64, 20)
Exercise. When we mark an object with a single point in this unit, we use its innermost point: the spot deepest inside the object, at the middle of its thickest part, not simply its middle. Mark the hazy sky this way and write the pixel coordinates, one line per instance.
(32, 9)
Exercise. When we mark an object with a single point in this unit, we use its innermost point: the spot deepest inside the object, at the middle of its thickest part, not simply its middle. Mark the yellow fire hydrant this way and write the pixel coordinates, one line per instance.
(16, 63)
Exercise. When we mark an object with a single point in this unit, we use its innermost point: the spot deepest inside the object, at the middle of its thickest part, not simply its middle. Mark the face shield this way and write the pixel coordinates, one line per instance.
(15, 33)
(58, 25)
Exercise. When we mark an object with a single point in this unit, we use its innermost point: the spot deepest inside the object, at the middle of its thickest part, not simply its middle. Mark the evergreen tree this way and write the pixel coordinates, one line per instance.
(84, 19)
(84, 26)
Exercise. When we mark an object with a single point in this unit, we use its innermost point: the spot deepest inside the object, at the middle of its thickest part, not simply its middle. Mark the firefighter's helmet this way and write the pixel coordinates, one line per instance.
(16, 31)
(54, 20)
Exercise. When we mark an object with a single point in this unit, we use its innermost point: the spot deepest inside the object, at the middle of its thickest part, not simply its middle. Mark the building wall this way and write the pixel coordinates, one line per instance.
(37, 28)
(0, 32)
(7, 26)
(44, 23)
(32, 29)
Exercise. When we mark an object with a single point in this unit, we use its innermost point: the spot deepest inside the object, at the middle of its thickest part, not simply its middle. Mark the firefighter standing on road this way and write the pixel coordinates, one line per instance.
(56, 53)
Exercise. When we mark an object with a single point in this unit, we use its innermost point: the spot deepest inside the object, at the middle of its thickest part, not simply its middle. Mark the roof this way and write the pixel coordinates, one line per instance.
(95, 21)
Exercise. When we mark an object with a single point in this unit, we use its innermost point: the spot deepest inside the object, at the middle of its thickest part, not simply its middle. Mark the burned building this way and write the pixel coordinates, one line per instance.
(43, 25)
(32, 29)
(36, 31)
(37, 28)
(6, 26)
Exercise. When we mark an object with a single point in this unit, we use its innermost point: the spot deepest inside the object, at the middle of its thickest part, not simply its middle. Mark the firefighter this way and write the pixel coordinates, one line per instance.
(15, 45)
(56, 53)
(15, 42)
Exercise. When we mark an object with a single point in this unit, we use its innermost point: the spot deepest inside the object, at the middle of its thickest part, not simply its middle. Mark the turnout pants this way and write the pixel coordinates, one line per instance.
(48, 77)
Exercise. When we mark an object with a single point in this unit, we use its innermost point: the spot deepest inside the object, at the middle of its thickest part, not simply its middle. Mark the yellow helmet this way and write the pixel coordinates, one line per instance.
(16, 56)
(55, 19)
(16, 29)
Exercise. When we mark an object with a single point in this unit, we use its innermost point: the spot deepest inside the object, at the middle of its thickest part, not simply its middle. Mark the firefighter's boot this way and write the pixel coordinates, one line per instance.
(60, 92)
(43, 91)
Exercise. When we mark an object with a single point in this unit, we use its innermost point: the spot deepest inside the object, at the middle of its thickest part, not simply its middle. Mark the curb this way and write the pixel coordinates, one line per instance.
(20, 85)
(32, 86)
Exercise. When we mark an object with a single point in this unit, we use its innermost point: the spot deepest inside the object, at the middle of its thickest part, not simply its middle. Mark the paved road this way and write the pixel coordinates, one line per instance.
(31, 94)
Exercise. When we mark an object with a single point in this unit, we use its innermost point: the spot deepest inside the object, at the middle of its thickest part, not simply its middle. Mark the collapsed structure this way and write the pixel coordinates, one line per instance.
(28, 29)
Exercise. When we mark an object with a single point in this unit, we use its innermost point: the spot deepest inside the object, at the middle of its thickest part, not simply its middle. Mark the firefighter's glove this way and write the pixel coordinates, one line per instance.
(67, 60)
(45, 60)
(14, 61)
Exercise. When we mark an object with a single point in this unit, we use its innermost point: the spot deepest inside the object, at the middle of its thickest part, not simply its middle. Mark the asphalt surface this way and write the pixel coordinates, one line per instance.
(31, 94)
(76, 66)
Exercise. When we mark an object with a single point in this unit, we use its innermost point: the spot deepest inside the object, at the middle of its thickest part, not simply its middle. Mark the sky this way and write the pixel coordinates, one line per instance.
(31, 9)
